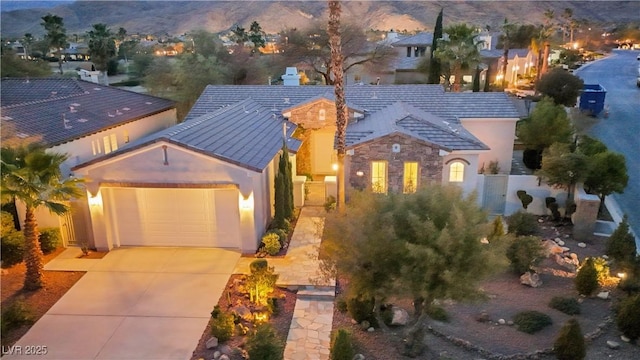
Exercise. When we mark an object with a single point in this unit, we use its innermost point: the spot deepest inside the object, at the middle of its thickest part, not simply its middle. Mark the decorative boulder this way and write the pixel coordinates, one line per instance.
(530, 279)
(212, 343)
(613, 344)
(582, 245)
(604, 295)
(358, 357)
(216, 355)
(371, 329)
(243, 312)
(501, 321)
(400, 316)
(224, 357)
(483, 317)
(551, 248)
(364, 325)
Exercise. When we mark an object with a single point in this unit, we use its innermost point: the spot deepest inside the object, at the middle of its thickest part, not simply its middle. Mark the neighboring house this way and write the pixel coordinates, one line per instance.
(520, 64)
(209, 181)
(79, 118)
(411, 51)
(20, 50)
(76, 52)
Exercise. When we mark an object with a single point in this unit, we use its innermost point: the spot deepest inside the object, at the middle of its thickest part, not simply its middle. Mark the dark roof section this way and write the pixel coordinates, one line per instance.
(245, 134)
(62, 110)
(420, 39)
(404, 118)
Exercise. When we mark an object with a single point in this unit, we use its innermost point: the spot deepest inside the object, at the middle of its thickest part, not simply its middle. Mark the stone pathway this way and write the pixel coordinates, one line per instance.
(310, 332)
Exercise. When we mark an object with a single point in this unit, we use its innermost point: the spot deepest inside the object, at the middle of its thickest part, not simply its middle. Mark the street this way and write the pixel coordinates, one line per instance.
(621, 130)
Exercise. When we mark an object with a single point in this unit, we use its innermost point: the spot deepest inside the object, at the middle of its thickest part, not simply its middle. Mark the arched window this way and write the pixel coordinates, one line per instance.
(322, 115)
(456, 172)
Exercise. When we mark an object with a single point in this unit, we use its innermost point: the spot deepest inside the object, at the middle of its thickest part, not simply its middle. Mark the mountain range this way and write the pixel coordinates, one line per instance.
(178, 17)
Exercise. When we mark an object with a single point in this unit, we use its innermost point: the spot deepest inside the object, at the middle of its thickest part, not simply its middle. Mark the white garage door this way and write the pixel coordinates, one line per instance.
(175, 217)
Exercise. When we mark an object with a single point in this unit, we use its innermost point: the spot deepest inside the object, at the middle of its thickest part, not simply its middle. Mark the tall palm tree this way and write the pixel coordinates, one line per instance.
(102, 46)
(33, 176)
(335, 43)
(459, 50)
(56, 35)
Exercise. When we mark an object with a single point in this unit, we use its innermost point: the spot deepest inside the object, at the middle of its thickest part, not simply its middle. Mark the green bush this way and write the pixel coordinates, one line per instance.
(16, 315)
(361, 310)
(11, 248)
(628, 317)
(497, 229)
(525, 252)
(330, 203)
(531, 321)
(438, 313)
(522, 223)
(587, 278)
(7, 222)
(271, 243)
(264, 344)
(621, 245)
(282, 235)
(222, 324)
(272, 306)
(261, 281)
(341, 304)
(602, 269)
(341, 346)
(569, 345)
(569, 306)
(525, 198)
(49, 239)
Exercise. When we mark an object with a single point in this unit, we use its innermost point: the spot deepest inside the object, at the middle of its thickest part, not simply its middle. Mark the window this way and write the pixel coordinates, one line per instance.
(379, 177)
(114, 142)
(456, 172)
(409, 51)
(322, 115)
(126, 136)
(95, 147)
(110, 143)
(410, 180)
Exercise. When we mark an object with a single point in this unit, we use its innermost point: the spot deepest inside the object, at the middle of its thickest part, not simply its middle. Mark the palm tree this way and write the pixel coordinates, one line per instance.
(335, 43)
(459, 50)
(508, 32)
(102, 46)
(33, 176)
(56, 35)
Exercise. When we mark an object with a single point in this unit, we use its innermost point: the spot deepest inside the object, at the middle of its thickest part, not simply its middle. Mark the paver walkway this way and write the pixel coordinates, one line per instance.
(310, 332)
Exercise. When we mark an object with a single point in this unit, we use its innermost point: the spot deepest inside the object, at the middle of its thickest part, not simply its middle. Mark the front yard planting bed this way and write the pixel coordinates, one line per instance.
(232, 297)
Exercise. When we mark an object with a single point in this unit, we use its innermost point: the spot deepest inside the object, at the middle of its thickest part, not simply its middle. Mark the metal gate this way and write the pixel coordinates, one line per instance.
(495, 193)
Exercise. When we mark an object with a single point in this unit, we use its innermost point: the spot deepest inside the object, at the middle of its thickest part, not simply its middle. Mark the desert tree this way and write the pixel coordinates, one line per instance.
(256, 36)
(102, 46)
(33, 177)
(459, 50)
(562, 167)
(56, 35)
(569, 344)
(560, 85)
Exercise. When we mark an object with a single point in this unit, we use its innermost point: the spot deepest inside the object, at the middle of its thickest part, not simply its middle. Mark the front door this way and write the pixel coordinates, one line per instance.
(322, 153)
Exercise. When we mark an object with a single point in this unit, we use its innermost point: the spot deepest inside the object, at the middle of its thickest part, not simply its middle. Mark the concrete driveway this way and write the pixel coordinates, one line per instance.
(135, 303)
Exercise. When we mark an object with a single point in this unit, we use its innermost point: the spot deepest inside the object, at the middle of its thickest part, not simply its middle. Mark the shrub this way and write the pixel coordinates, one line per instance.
(531, 321)
(525, 198)
(497, 228)
(261, 281)
(49, 239)
(438, 313)
(552, 205)
(341, 346)
(222, 324)
(341, 304)
(282, 235)
(271, 243)
(272, 306)
(16, 315)
(569, 306)
(569, 345)
(7, 222)
(522, 223)
(602, 269)
(361, 310)
(532, 158)
(524, 253)
(330, 203)
(264, 344)
(11, 248)
(587, 278)
(628, 317)
(621, 245)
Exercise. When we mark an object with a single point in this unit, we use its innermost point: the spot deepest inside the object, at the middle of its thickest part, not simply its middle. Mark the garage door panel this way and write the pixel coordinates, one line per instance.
(176, 217)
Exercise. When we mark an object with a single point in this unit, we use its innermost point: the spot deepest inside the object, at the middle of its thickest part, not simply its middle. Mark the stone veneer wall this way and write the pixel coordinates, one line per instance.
(411, 149)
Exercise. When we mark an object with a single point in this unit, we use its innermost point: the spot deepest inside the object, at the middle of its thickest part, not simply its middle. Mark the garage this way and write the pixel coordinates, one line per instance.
(173, 216)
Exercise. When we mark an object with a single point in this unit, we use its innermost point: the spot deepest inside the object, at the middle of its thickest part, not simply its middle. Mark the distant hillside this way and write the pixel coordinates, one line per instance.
(26, 4)
(177, 17)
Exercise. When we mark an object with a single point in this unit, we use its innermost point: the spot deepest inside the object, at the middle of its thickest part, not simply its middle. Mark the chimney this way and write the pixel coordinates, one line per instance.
(291, 77)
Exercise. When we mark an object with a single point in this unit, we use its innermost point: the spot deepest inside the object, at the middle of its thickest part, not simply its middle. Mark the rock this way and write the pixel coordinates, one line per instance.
(510, 323)
(225, 349)
(216, 355)
(604, 295)
(365, 325)
(540, 221)
(570, 263)
(224, 357)
(243, 312)
(353, 321)
(582, 245)
(358, 357)
(483, 317)
(613, 344)
(624, 338)
(606, 257)
(501, 321)
(574, 257)
(212, 342)
(484, 240)
(371, 329)
(566, 236)
(559, 241)
(400, 316)
(564, 248)
(530, 279)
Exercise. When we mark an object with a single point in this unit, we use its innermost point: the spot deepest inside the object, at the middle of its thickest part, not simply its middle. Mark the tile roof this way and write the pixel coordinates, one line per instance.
(62, 110)
(423, 39)
(407, 119)
(498, 53)
(245, 133)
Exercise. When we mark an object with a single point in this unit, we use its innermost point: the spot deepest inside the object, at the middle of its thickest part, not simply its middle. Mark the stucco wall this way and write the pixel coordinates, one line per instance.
(411, 149)
(80, 150)
(470, 181)
(529, 183)
(498, 135)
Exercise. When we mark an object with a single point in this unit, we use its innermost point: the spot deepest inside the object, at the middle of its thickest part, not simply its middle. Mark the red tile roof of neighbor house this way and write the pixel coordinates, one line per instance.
(62, 110)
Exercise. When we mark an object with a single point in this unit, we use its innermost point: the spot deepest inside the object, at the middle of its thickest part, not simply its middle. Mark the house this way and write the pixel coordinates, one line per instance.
(411, 51)
(521, 64)
(79, 118)
(209, 181)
